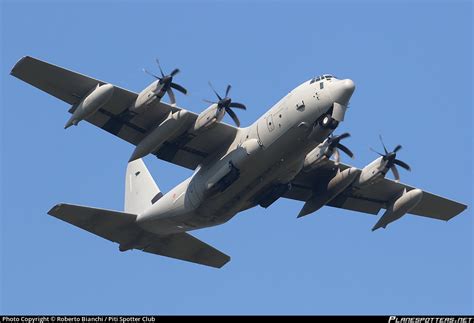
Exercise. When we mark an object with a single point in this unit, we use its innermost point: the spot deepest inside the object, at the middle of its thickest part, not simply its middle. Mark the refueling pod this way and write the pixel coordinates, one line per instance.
(174, 124)
(399, 207)
(90, 104)
(334, 187)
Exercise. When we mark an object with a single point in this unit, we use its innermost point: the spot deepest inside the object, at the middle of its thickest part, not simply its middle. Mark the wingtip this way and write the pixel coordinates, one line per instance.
(55, 208)
(226, 261)
(378, 227)
(302, 213)
(17, 64)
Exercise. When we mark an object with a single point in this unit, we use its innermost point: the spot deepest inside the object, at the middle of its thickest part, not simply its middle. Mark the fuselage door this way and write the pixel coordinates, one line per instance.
(266, 129)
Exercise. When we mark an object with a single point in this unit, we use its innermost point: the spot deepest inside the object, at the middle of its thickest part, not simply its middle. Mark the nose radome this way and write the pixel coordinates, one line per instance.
(343, 91)
(349, 86)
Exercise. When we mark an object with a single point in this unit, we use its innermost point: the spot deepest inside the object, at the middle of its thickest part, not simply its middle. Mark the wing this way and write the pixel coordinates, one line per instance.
(372, 198)
(120, 227)
(187, 150)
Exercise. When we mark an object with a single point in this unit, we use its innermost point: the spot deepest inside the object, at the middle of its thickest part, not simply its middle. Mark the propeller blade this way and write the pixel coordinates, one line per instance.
(395, 173)
(345, 150)
(337, 156)
(375, 151)
(215, 92)
(233, 116)
(384, 148)
(402, 164)
(174, 72)
(237, 105)
(209, 101)
(179, 88)
(343, 136)
(151, 74)
(159, 66)
(227, 90)
(397, 148)
(171, 95)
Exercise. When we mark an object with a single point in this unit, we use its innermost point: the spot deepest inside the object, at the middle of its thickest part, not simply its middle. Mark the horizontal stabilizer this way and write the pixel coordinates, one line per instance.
(121, 228)
(186, 247)
(111, 225)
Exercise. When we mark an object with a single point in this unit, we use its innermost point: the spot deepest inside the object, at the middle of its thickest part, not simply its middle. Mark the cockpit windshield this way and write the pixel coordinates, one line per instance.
(322, 77)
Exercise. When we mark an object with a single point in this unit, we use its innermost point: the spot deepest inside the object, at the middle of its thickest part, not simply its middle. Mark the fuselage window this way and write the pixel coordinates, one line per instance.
(321, 85)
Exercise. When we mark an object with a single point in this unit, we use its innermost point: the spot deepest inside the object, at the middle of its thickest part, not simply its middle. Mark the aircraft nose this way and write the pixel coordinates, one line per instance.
(343, 90)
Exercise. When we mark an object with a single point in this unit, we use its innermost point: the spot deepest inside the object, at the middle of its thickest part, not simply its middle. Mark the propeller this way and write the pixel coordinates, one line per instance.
(167, 82)
(391, 159)
(334, 145)
(225, 103)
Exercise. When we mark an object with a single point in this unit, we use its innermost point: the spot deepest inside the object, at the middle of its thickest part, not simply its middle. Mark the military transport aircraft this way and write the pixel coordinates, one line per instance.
(288, 152)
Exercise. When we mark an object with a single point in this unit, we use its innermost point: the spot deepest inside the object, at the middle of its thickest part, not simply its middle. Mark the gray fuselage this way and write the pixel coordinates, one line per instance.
(269, 152)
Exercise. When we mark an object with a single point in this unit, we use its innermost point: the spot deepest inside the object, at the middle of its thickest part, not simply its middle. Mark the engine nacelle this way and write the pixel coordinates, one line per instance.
(169, 128)
(315, 157)
(399, 207)
(371, 174)
(334, 187)
(146, 97)
(208, 117)
(90, 104)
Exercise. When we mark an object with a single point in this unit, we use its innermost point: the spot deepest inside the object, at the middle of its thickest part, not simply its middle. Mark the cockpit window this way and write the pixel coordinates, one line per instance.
(320, 78)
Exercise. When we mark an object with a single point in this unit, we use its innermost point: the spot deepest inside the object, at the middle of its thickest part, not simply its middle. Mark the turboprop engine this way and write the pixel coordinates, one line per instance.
(216, 111)
(208, 117)
(90, 104)
(377, 169)
(155, 91)
(330, 147)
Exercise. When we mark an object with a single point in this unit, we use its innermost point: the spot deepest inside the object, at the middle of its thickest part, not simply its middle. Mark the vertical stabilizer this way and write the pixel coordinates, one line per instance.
(141, 190)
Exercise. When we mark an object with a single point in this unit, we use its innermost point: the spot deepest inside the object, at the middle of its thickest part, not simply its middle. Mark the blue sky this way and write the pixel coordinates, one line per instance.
(412, 65)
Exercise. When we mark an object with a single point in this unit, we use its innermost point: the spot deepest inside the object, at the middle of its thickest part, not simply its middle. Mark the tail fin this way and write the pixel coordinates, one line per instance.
(141, 190)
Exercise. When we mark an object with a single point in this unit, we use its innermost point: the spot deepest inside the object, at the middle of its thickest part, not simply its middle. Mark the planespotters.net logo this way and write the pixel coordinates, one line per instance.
(404, 319)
